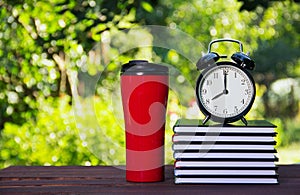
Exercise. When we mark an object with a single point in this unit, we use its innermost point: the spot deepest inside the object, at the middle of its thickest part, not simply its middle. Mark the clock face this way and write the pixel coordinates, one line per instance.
(225, 92)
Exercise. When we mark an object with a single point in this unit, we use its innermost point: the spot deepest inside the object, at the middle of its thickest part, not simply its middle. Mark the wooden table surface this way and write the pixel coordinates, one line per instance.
(108, 179)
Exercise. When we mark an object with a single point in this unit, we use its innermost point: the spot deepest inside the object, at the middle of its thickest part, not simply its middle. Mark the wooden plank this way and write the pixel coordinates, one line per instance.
(174, 189)
(101, 171)
(289, 171)
(63, 171)
(108, 179)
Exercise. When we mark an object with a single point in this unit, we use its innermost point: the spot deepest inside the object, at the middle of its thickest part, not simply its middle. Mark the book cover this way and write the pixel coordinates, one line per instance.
(181, 147)
(224, 164)
(222, 133)
(227, 173)
(223, 143)
(179, 180)
(198, 123)
(191, 138)
(223, 156)
(196, 126)
(273, 151)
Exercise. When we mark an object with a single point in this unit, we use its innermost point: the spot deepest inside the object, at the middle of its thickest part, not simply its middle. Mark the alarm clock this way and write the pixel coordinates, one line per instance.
(225, 90)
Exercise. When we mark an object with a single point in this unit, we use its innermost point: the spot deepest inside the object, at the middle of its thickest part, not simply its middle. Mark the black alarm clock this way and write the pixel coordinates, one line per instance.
(225, 90)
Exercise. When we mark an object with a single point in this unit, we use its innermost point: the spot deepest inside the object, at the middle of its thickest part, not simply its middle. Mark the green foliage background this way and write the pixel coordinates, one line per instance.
(60, 62)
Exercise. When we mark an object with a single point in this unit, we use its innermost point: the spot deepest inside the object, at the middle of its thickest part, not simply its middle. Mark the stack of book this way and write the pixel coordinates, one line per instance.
(228, 154)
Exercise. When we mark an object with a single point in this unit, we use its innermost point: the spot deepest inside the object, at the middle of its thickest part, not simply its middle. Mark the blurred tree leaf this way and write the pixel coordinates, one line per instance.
(44, 43)
(251, 5)
(48, 48)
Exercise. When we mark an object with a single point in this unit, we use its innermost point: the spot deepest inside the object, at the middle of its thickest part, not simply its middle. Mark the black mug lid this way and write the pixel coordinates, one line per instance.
(143, 67)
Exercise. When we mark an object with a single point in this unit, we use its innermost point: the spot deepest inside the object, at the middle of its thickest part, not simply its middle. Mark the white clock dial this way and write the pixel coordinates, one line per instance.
(226, 91)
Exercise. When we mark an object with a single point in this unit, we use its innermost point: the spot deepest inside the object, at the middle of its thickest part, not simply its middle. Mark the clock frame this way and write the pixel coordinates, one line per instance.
(208, 112)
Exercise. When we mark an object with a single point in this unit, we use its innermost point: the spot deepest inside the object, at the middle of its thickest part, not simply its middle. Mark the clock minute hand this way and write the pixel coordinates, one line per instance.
(225, 91)
(225, 82)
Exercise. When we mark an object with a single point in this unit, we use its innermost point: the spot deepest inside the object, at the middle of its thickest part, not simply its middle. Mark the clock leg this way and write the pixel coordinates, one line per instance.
(206, 119)
(244, 121)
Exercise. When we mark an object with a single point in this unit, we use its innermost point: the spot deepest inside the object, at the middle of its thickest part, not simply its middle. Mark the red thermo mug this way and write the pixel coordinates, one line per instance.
(144, 89)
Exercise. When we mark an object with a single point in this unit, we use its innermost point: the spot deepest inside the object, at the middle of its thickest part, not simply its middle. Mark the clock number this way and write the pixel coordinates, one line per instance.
(225, 71)
(236, 109)
(209, 82)
(225, 111)
(204, 91)
(243, 101)
(243, 82)
(207, 101)
(235, 75)
(247, 91)
(216, 75)
(216, 107)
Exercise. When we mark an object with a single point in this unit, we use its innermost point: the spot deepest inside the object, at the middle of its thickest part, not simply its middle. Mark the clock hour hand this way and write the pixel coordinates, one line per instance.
(217, 96)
